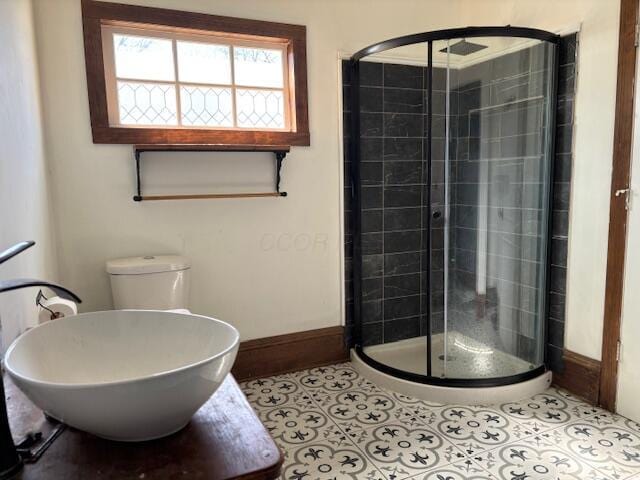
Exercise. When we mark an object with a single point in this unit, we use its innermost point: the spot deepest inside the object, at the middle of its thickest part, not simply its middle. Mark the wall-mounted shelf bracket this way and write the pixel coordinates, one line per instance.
(279, 158)
(280, 153)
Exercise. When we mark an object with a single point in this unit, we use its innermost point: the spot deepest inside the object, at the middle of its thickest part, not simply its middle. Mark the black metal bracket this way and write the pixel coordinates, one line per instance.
(280, 153)
(34, 445)
(279, 158)
(138, 196)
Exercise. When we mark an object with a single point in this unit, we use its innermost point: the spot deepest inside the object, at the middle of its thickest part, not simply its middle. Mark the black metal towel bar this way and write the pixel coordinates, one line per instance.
(280, 152)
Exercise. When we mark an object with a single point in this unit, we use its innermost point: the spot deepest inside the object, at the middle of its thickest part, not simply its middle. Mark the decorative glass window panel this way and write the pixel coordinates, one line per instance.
(259, 67)
(206, 106)
(204, 63)
(260, 108)
(143, 58)
(147, 103)
(182, 80)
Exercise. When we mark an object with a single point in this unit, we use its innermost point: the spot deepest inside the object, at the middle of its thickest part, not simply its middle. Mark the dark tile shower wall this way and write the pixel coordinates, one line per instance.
(393, 102)
(393, 176)
(562, 189)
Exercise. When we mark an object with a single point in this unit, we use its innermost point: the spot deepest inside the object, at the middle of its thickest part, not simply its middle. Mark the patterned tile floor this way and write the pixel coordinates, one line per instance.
(333, 424)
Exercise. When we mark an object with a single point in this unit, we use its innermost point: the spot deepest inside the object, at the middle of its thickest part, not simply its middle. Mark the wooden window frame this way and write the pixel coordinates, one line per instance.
(97, 15)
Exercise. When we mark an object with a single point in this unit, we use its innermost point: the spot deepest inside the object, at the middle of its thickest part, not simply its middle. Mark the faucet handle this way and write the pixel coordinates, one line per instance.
(15, 250)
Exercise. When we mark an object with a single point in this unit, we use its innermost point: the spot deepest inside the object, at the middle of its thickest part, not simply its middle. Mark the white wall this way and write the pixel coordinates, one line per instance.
(24, 194)
(240, 274)
(593, 145)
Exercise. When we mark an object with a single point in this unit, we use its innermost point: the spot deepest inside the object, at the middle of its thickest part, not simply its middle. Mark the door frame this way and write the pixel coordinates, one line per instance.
(620, 183)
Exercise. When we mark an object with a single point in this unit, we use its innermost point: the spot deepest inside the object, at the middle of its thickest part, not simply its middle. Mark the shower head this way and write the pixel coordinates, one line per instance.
(463, 48)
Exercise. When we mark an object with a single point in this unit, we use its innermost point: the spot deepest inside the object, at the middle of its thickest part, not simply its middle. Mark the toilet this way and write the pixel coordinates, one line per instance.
(152, 282)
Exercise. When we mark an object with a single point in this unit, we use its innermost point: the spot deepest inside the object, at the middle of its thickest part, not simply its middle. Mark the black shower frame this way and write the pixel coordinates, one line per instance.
(354, 155)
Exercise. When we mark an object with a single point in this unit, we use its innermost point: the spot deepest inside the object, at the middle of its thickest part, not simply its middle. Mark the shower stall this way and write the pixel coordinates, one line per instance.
(451, 147)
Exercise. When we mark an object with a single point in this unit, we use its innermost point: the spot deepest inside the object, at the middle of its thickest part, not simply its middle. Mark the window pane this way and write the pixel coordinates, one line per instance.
(143, 58)
(258, 67)
(260, 108)
(147, 104)
(204, 63)
(206, 106)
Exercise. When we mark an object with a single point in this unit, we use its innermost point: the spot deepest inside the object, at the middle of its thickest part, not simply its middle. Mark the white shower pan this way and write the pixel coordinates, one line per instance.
(467, 359)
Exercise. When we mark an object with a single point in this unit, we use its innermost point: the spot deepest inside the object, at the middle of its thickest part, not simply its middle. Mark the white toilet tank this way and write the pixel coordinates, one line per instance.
(153, 282)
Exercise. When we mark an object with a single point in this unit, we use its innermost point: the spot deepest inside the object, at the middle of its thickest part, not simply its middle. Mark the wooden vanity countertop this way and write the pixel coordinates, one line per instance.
(224, 440)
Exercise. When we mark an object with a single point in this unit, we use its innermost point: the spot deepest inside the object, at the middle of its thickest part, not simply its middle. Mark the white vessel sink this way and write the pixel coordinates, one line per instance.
(128, 375)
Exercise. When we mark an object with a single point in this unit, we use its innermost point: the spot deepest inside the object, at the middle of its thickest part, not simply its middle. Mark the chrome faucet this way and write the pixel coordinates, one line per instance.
(10, 461)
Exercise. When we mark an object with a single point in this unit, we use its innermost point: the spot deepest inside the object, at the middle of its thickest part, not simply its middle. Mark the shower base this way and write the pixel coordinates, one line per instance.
(466, 358)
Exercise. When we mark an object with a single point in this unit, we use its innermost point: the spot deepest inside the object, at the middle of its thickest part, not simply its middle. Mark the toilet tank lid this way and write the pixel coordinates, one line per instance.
(147, 264)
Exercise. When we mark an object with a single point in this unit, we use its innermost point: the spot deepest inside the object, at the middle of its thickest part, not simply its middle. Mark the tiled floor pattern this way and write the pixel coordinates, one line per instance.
(333, 424)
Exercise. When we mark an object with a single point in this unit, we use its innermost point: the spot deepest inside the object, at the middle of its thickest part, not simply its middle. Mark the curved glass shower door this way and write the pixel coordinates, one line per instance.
(454, 181)
(496, 207)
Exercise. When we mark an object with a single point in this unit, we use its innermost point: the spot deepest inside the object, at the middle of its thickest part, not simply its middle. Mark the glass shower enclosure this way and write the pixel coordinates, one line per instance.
(451, 150)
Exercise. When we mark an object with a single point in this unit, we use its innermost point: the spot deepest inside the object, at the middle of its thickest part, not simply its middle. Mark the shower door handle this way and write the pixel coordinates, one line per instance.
(437, 214)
